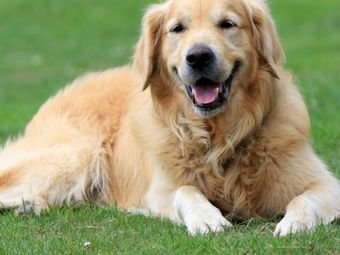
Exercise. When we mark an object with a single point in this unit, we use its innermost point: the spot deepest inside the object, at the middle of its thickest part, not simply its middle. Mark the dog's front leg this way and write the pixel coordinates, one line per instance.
(318, 205)
(197, 213)
(187, 205)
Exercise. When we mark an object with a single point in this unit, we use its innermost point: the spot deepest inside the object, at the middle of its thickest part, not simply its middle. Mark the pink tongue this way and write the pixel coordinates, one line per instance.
(206, 94)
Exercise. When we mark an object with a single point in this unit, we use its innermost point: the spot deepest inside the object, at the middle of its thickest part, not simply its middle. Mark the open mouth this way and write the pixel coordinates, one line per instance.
(207, 95)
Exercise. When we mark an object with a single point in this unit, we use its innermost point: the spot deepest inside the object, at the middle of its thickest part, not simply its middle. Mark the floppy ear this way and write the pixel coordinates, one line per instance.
(264, 34)
(147, 49)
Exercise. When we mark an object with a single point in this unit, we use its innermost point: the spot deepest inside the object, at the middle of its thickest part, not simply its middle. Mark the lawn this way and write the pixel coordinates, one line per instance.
(45, 44)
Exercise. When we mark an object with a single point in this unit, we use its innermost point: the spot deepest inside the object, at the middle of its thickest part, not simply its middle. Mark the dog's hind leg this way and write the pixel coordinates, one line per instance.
(52, 174)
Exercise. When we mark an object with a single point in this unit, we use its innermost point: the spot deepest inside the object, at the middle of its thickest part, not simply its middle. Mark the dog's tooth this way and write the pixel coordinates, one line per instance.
(221, 88)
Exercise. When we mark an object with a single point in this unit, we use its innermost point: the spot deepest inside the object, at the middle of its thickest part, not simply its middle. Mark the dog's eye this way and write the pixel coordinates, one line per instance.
(226, 24)
(178, 28)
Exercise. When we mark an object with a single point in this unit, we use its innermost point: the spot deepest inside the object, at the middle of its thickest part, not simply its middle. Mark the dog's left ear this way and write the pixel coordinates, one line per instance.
(148, 47)
(264, 34)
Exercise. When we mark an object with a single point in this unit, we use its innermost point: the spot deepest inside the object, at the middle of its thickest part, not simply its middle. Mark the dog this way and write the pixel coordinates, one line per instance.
(205, 127)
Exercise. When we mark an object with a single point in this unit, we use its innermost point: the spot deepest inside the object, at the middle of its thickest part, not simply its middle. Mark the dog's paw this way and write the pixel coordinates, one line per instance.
(204, 222)
(27, 207)
(204, 219)
(291, 225)
(197, 213)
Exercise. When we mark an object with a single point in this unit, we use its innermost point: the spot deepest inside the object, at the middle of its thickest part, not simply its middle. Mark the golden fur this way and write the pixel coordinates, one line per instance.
(104, 139)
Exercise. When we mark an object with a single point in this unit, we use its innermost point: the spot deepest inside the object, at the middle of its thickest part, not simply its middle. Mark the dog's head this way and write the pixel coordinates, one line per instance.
(207, 49)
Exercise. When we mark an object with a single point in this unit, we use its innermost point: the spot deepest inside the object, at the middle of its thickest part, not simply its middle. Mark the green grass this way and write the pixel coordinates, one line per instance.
(45, 44)
(65, 231)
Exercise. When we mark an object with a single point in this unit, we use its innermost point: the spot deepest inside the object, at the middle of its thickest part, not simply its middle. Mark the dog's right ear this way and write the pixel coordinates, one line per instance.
(148, 47)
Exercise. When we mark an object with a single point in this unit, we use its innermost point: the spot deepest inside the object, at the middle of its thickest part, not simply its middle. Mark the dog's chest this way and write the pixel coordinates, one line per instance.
(251, 183)
(244, 186)
(242, 180)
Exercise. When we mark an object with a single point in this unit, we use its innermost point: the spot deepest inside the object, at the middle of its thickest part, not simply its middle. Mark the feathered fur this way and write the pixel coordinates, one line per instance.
(130, 136)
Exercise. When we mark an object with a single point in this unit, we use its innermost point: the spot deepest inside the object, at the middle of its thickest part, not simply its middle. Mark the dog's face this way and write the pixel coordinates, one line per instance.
(209, 49)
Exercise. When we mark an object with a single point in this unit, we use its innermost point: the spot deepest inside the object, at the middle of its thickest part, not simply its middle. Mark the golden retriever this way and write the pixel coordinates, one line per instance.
(204, 127)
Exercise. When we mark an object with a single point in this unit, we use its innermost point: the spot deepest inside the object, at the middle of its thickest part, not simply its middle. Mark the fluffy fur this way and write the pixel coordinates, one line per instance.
(104, 139)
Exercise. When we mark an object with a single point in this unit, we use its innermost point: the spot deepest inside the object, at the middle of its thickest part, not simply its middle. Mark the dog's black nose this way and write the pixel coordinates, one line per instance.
(200, 56)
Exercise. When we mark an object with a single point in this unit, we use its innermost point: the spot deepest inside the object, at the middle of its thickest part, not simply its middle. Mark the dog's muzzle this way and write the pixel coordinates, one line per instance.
(209, 96)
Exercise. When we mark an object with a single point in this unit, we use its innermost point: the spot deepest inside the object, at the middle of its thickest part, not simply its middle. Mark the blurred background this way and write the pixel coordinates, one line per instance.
(44, 44)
